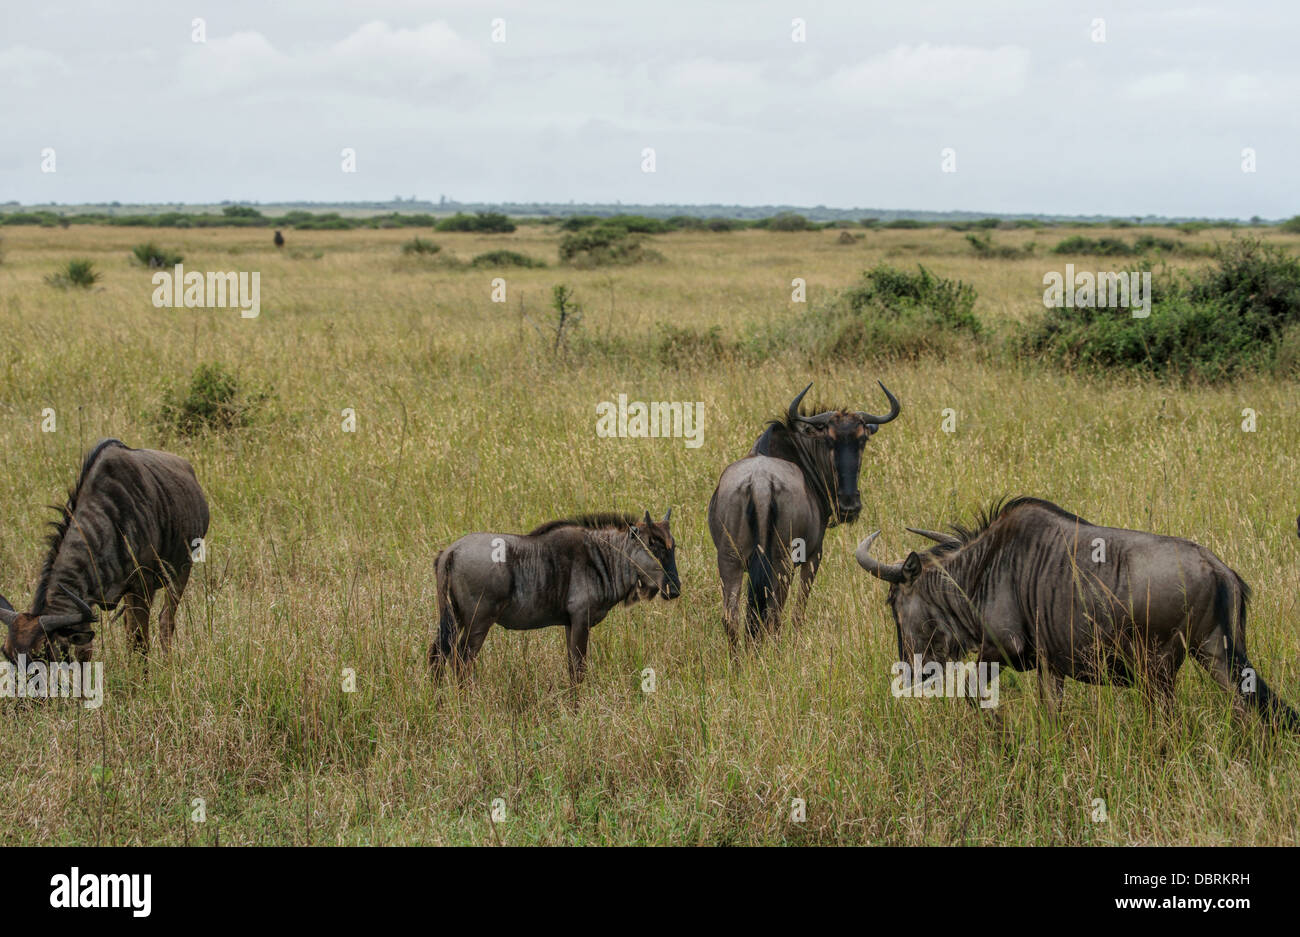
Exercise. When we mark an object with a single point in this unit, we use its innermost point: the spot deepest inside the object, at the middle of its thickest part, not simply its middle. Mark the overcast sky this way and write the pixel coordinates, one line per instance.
(1041, 117)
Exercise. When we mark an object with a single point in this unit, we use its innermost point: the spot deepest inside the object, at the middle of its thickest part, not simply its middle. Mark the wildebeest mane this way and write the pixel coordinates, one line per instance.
(65, 519)
(595, 521)
(815, 475)
(994, 512)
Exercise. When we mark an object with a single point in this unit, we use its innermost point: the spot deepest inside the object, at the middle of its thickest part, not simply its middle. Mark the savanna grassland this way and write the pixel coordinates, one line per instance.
(322, 545)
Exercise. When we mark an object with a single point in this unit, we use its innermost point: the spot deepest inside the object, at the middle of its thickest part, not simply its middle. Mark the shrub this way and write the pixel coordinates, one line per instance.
(686, 346)
(789, 221)
(502, 258)
(1106, 247)
(151, 255)
(982, 244)
(601, 246)
(483, 222)
(213, 401)
(78, 272)
(891, 313)
(1291, 225)
(904, 223)
(420, 246)
(1234, 318)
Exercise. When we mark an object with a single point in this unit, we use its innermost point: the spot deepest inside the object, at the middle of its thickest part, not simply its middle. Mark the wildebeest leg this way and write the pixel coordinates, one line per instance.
(171, 599)
(807, 573)
(732, 579)
(468, 642)
(576, 636)
(137, 620)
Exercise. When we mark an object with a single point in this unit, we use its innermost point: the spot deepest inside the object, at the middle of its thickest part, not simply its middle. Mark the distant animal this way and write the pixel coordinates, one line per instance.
(279, 239)
(126, 531)
(1034, 586)
(569, 572)
(770, 510)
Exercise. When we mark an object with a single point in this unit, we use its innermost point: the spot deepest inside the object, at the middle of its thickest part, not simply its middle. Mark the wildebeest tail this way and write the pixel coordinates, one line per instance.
(762, 574)
(446, 617)
(1249, 684)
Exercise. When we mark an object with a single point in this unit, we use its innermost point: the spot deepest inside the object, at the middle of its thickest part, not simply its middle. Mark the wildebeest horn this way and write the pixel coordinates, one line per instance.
(666, 516)
(889, 572)
(894, 408)
(7, 613)
(793, 417)
(84, 614)
(933, 535)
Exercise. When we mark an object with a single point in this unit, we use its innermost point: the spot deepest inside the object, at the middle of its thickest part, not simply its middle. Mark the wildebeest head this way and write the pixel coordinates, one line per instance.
(653, 552)
(838, 438)
(927, 605)
(36, 637)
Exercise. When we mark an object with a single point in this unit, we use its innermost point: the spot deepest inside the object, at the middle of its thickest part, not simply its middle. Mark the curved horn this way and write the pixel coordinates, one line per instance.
(7, 613)
(83, 615)
(889, 572)
(793, 417)
(933, 535)
(666, 516)
(894, 409)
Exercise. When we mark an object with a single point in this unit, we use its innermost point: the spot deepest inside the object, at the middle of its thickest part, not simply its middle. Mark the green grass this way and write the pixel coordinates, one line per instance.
(321, 552)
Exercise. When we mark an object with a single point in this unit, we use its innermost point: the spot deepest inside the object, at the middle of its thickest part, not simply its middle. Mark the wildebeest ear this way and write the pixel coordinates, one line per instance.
(873, 428)
(7, 613)
(666, 516)
(648, 522)
(911, 567)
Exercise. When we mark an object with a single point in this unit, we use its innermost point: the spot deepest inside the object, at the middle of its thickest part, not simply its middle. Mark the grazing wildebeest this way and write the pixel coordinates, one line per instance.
(279, 239)
(127, 530)
(1032, 585)
(771, 509)
(569, 572)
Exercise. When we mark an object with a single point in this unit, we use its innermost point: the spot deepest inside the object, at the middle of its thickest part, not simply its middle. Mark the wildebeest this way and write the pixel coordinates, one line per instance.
(771, 509)
(279, 239)
(568, 572)
(1032, 585)
(127, 530)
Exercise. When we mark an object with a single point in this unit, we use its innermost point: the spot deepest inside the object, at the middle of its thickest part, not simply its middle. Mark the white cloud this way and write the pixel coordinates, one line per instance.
(925, 74)
(1157, 85)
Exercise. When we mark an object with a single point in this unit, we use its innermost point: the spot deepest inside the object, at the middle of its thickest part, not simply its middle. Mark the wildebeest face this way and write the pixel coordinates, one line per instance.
(840, 436)
(921, 624)
(655, 556)
(43, 637)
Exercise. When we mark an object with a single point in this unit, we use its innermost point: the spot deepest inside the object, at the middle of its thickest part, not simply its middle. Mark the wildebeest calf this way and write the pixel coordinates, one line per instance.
(127, 530)
(1033, 585)
(568, 572)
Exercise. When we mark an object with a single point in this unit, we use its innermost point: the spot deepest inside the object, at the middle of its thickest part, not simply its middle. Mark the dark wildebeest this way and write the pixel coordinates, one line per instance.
(1035, 586)
(127, 530)
(568, 572)
(279, 239)
(771, 509)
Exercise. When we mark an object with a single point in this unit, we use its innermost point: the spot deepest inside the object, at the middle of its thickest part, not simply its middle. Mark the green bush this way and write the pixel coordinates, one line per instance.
(502, 258)
(603, 246)
(151, 255)
(214, 401)
(1237, 317)
(418, 245)
(483, 222)
(982, 244)
(789, 221)
(1105, 247)
(78, 272)
(892, 313)
(1291, 225)
(687, 347)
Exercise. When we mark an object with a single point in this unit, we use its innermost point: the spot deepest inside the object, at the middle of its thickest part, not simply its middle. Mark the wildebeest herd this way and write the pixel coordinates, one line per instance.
(1029, 586)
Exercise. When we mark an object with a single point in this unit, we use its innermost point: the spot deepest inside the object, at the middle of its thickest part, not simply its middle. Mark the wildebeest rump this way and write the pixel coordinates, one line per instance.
(771, 509)
(127, 530)
(1033, 585)
(569, 572)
